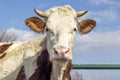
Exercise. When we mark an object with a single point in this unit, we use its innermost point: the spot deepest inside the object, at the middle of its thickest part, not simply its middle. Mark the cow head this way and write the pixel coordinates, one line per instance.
(60, 25)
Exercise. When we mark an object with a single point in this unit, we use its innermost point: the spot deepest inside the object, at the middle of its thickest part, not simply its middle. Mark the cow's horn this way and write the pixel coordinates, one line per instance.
(40, 13)
(79, 14)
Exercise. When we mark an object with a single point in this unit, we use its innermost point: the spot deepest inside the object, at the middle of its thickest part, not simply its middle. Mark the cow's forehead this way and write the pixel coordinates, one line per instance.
(61, 17)
(61, 22)
(62, 10)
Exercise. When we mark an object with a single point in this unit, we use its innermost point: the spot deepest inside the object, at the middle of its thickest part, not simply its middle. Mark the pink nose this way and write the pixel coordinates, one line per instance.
(61, 50)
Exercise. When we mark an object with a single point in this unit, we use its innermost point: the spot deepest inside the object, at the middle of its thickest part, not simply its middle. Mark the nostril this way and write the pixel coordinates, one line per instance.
(67, 51)
(60, 50)
(55, 51)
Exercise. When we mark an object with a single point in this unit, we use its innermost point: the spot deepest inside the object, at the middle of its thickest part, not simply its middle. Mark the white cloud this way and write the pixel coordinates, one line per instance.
(105, 42)
(22, 35)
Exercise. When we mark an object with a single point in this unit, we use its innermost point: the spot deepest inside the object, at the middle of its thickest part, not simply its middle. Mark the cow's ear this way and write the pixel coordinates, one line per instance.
(85, 26)
(36, 24)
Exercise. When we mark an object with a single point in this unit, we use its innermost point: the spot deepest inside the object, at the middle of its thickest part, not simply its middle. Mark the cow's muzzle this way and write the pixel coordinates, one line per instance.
(61, 53)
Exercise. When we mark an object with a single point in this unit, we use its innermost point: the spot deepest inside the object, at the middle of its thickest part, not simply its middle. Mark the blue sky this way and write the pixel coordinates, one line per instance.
(100, 46)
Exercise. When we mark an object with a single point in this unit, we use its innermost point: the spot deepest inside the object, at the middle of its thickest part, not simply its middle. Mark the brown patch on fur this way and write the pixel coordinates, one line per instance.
(21, 75)
(43, 71)
(3, 55)
(66, 74)
(4, 47)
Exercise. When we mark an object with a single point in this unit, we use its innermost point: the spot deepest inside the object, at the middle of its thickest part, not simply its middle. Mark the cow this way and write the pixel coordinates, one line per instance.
(48, 57)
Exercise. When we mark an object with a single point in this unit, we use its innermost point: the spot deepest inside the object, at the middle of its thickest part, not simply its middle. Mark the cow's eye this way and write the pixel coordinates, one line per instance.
(47, 29)
(74, 29)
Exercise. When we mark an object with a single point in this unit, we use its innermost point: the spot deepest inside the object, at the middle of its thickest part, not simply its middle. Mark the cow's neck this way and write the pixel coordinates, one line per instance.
(61, 70)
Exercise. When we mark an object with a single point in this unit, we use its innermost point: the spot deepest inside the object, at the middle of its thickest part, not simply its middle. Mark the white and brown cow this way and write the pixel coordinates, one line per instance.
(48, 57)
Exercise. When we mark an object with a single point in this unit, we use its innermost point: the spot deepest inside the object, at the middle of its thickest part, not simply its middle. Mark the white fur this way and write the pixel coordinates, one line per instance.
(11, 61)
(18, 55)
